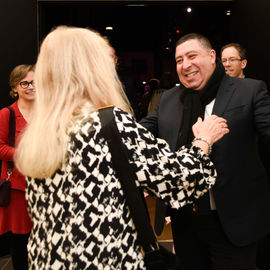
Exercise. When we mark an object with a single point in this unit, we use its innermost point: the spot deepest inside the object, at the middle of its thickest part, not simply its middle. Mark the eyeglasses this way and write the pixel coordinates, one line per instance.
(25, 84)
(231, 60)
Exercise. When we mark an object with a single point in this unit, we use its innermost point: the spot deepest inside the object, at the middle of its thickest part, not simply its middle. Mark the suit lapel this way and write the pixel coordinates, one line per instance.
(174, 122)
(177, 117)
(224, 95)
(173, 118)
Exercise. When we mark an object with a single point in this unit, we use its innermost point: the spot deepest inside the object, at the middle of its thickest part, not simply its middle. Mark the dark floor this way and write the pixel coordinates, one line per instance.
(5, 263)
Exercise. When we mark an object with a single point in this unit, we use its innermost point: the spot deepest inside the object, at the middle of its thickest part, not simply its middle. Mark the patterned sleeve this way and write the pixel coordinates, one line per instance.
(177, 178)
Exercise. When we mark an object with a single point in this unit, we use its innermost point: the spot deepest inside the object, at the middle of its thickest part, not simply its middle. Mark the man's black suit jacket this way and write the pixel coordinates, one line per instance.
(241, 191)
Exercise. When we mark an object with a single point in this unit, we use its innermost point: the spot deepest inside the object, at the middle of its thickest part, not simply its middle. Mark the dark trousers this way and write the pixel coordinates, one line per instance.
(17, 244)
(201, 244)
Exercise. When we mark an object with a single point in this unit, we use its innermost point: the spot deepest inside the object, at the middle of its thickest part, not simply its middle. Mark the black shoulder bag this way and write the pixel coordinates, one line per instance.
(5, 185)
(155, 257)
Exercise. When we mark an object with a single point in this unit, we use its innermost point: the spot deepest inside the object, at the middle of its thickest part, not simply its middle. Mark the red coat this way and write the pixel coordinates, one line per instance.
(14, 217)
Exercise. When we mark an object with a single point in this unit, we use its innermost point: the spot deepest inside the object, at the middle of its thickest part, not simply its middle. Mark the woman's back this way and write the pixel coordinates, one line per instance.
(80, 217)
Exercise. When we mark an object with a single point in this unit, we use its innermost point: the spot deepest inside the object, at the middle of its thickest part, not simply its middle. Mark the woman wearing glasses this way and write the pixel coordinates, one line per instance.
(15, 224)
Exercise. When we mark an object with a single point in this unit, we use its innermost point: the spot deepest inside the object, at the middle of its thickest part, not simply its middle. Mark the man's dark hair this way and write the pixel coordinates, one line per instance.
(241, 50)
(201, 38)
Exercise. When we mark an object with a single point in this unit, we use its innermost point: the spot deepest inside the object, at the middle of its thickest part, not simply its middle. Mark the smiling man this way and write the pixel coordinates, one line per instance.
(221, 230)
(234, 60)
(195, 63)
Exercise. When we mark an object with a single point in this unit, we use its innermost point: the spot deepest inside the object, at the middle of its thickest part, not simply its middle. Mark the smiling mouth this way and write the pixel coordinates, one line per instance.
(191, 74)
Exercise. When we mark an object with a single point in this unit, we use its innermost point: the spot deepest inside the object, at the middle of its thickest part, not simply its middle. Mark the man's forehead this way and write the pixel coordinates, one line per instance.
(189, 46)
(230, 50)
(190, 42)
(185, 52)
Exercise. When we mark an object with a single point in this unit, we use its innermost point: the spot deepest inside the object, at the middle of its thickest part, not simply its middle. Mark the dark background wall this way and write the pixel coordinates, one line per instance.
(250, 27)
(19, 42)
(144, 34)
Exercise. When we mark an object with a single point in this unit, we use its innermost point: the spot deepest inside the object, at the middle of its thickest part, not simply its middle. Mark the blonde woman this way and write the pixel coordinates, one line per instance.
(80, 217)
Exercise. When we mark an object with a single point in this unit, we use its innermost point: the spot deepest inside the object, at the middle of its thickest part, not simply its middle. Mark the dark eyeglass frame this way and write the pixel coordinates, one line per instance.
(25, 84)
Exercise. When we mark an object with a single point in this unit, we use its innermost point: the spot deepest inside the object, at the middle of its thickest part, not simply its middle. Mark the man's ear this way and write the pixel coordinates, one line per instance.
(213, 55)
(243, 63)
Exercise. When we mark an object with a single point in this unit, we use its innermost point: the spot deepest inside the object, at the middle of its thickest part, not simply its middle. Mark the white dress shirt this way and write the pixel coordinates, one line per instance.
(208, 111)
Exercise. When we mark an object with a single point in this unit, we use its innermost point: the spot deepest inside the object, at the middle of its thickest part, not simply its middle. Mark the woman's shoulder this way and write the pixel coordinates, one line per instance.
(91, 121)
(85, 123)
(119, 112)
(121, 115)
(4, 112)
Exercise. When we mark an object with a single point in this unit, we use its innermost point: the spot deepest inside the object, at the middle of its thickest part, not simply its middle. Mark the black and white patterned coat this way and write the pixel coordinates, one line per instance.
(80, 217)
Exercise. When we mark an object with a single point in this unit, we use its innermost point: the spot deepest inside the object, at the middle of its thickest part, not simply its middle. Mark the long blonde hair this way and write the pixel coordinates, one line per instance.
(74, 73)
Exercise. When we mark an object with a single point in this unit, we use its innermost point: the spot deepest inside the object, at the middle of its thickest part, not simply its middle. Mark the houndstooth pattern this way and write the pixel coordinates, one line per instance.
(80, 217)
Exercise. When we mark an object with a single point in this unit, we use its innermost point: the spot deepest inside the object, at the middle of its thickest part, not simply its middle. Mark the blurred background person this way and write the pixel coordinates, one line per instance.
(128, 83)
(234, 59)
(79, 212)
(167, 81)
(150, 88)
(15, 224)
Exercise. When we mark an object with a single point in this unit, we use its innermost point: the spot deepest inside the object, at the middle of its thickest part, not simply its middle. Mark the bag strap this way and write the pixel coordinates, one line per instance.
(127, 178)
(11, 136)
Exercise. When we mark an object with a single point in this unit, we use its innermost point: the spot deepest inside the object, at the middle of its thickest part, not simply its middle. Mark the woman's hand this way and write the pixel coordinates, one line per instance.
(211, 129)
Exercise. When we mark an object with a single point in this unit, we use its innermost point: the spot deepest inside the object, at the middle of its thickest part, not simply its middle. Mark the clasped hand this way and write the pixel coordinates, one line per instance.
(212, 128)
